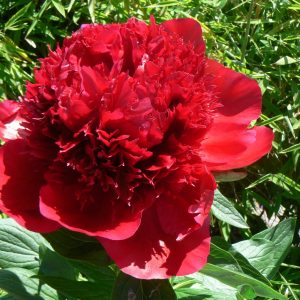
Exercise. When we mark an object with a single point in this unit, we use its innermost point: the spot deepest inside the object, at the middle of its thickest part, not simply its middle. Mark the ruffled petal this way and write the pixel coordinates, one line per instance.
(21, 178)
(189, 29)
(239, 95)
(229, 146)
(153, 254)
(96, 213)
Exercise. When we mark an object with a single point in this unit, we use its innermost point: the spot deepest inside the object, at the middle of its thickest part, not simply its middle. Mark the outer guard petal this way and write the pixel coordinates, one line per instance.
(20, 180)
(189, 29)
(236, 148)
(239, 95)
(229, 143)
(8, 110)
(96, 213)
(9, 120)
(151, 253)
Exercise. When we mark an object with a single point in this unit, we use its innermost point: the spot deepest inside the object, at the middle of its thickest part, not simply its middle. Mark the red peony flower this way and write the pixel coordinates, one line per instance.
(117, 139)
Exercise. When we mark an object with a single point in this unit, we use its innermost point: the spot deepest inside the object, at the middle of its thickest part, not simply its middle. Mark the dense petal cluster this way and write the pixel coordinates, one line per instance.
(117, 138)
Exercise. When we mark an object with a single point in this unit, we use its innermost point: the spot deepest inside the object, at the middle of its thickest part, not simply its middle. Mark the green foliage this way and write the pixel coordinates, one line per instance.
(225, 211)
(230, 273)
(250, 260)
(127, 287)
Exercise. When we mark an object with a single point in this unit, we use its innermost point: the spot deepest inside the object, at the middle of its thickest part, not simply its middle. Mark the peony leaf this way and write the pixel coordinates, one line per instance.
(18, 246)
(199, 291)
(268, 249)
(247, 291)
(91, 271)
(80, 290)
(20, 285)
(223, 255)
(127, 287)
(225, 211)
(61, 273)
(236, 279)
(227, 276)
(78, 246)
(53, 264)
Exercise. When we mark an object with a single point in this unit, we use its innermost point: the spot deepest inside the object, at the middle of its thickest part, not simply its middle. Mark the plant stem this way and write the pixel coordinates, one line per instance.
(246, 36)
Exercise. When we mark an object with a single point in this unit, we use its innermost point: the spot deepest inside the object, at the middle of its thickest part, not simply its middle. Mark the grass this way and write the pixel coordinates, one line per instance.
(257, 37)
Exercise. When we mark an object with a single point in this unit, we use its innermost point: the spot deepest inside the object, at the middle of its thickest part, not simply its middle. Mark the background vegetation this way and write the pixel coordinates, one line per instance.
(257, 37)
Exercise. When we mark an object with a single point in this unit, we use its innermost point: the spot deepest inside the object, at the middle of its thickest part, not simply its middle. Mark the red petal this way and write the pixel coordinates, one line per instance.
(9, 120)
(185, 201)
(189, 29)
(8, 110)
(228, 143)
(98, 214)
(20, 182)
(3, 177)
(239, 95)
(226, 148)
(153, 254)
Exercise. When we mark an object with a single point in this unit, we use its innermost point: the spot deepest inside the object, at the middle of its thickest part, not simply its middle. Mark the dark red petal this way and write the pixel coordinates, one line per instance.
(189, 29)
(153, 254)
(99, 214)
(226, 148)
(20, 182)
(239, 95)
(3, 177)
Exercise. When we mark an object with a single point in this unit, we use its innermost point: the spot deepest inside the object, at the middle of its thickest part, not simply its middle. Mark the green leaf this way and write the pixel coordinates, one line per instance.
(60, 8)
(215, 3)
(18, 246)
(18, 282)
(225, 211)
(228, 275)
(247, 291)
(127, 287)
(223, 255)
(92, 272)
(83, 290)
(44, 6)
(71, 3)
(289, 185)
(198, 286)
(91, 8)
(229, 176)
(236, 279)
(61, 273)
(268, 249)
(285, 60)
(78, 246)
(196, 292)
(295, 147)
(14, 22)
(259, 252)
(53, 264)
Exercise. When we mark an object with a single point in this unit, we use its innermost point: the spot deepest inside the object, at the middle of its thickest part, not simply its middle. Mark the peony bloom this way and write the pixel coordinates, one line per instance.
(117, 139)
